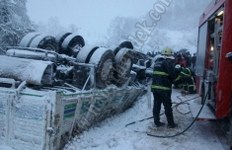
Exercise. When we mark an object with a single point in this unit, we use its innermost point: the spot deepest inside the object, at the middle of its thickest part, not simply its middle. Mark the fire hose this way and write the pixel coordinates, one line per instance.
(148, 118)
(179, 133)
(187, 128)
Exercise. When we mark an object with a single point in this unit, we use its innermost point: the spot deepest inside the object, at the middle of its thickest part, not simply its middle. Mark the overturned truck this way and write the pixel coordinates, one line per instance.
(53, 88)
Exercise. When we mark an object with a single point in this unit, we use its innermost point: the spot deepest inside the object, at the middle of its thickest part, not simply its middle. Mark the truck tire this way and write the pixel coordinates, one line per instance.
(122, 66)
(71, 42)
(124, 44)
(103, 59)
(60, 39)
(86, 53)
(27, 39)
(45, 42)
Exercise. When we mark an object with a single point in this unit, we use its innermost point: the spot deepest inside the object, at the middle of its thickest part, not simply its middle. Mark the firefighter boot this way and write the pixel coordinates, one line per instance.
(171, 123)
(159, 124)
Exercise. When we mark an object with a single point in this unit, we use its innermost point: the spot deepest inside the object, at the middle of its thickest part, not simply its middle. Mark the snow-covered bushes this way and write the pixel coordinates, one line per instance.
(14, 22)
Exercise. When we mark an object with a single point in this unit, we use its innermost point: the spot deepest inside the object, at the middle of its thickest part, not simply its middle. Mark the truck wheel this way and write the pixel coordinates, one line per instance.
(122, 67)
(27, 39)
(60, 39)
(86, 53)
(125, 44)
(45, 42)
(72, 43)
(103, 58)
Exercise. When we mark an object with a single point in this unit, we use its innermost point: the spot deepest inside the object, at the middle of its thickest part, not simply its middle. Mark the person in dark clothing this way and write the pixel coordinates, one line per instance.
(164, 75)
(187, 78)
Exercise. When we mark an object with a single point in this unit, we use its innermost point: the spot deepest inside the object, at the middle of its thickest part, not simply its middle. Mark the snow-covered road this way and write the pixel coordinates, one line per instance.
(112, 134)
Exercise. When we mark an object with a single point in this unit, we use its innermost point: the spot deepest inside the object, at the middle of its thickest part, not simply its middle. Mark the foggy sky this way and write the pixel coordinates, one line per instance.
(91, 16)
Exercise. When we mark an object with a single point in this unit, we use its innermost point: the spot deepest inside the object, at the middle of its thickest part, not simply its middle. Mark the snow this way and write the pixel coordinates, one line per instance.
(22, 124)
(138, 66)
(36, 41)
(206, 113)
(31, 54)
(4, 147)
(28, 70)
(26, 39)
(67, 40)
(97, 55)
(84, 52)
(112, 133)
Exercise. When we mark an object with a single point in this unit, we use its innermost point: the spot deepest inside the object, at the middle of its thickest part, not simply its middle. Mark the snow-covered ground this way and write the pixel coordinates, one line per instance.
(4, 147)
(112, 133)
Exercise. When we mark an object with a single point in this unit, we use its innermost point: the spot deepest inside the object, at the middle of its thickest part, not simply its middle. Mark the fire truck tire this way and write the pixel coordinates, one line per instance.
(27, 39)
(45, 42)
(104, 69)
(122, 66)
(86, 53)
(70, 42)
(124, 44)
(60, 39)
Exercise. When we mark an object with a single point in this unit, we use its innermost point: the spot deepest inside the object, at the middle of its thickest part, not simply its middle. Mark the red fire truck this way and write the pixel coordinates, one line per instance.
(214, 66)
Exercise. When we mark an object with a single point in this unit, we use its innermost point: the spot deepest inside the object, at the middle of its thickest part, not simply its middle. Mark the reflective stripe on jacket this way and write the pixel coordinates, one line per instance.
(163, 75)
(186, 72)
(160, 87)
(160, 73)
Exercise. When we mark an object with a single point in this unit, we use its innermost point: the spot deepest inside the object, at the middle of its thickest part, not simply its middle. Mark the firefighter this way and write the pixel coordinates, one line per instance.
(163, 76)
(187, 79)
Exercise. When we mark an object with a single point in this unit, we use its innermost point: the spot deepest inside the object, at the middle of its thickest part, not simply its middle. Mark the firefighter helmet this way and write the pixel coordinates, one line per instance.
(167, 51)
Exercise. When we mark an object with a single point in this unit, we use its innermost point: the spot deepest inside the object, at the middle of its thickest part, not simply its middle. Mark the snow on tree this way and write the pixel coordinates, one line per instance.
(14, 22)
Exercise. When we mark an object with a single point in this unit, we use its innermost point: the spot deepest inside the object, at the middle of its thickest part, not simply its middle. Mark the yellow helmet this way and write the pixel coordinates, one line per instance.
(167, 51)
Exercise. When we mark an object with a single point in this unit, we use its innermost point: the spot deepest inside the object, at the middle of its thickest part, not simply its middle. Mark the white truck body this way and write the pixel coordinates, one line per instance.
(46, 119)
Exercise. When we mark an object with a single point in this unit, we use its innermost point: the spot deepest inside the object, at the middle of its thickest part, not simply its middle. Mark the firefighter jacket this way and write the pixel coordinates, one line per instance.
(163, 75)
(186, 76)
(184, 73)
